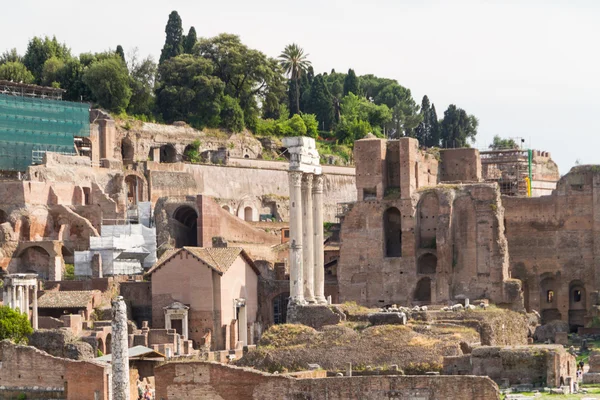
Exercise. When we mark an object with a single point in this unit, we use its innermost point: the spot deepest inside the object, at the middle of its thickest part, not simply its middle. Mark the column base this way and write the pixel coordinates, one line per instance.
(320, 300)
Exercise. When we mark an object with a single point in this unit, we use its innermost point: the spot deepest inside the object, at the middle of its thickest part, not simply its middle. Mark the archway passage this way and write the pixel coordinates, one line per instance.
(35, 260)
(108, 344)
(226, 208)
(427, 264)
(392, 221)
(186, 223)
(168, 154)
(127, 151)
(248, 214)
(577, 305)
(423, 291)
(101, 347)
(280, 303)
(549, 301)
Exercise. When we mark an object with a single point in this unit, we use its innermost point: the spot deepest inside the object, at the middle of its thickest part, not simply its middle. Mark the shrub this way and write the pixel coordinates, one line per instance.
(232, 115)
(14, 325)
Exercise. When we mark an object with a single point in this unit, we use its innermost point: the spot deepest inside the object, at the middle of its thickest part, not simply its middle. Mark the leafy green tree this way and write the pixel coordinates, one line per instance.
(10, 56)
(232, 115)
(312, 125)
(457, 128)
(14, 325)
(142, 75)
(351, 83)
(320, 103)
(71, 79)
(40, 50)
(428, 130)
(190, 41)
(108, 81)
(120, 52)
(16, 72)
(52, 72)
(173, 43)
(501, 144)
(405, 117)
(297, 126)
(187, 91)
(295, 63)
(192, 153)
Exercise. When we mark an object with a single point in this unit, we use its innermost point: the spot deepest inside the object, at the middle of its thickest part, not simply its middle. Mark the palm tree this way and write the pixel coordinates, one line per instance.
(294, 62)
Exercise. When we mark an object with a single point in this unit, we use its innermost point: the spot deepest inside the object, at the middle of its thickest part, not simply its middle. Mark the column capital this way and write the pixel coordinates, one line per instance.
(318, 181)
(295, 178)
(307, 181)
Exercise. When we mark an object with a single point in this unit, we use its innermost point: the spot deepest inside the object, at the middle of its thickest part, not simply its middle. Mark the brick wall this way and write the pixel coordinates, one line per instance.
(460, 165)
(195, 380)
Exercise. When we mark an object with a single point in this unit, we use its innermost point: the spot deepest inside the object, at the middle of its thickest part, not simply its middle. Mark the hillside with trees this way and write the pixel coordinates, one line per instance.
(219, 82)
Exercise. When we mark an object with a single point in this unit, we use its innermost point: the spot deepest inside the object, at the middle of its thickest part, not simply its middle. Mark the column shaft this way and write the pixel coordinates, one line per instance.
(307, 238)
(20, 298)
(26, 310)
(34, 317)
(296, 274)
(318, 254)
(185, 326)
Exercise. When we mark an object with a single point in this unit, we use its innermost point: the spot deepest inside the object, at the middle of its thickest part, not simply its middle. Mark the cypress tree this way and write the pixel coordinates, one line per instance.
(320, 103)
(190, 41)
(428, 132)
(173, 46)
(120, 52)
(351, 83)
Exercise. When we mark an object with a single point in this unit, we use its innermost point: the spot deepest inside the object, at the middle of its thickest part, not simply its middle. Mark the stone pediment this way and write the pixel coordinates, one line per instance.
(176, 306)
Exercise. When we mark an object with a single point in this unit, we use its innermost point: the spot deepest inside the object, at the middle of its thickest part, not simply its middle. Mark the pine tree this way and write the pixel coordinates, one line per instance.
(120, 52)
(173, 46)
(190, 40)
(351, 83)
(320, 103)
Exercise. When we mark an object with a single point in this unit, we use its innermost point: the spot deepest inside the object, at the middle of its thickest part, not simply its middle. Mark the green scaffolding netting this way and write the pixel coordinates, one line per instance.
(31, 126)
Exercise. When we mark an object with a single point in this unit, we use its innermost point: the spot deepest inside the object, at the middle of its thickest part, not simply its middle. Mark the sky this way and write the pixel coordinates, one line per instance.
(526, 69)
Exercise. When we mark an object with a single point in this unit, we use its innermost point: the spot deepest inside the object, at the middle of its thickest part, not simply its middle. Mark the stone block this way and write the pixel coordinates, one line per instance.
(397, 318)
(314, 315)
(561, 338)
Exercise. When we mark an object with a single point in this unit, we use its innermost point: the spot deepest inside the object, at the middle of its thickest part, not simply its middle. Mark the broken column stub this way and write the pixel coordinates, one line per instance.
(120, 357)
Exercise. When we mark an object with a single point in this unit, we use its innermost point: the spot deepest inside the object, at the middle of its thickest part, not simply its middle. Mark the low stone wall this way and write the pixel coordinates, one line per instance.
(32, 393)
(194, 380)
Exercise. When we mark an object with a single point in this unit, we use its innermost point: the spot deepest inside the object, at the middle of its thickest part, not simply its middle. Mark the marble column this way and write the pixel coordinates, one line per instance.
(307, 238)
(20, 298)
(296, 274)
(34, 316)
(318, 254)
(184, 325)
(26, 309)
(13, 301)
(120, 351)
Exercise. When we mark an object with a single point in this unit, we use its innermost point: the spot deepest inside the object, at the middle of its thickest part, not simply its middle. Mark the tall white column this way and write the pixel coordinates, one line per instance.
(167, 321)
(26, 310)
(307, 238)
(34, 316)
(20, 298)
(319, 262)
(13, 297)
(185, 325)
(119, 348)
(243, 326)
(296, 274)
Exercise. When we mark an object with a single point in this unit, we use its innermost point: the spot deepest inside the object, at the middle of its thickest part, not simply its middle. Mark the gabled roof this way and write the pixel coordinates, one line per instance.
(66, 299)
(217, 258)
(136, 353)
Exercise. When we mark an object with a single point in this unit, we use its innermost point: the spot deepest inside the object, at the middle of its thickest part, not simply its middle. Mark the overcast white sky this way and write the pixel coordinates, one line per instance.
(524, 68)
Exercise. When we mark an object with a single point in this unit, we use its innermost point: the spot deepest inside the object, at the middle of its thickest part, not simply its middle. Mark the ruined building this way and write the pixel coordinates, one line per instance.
(429, 229)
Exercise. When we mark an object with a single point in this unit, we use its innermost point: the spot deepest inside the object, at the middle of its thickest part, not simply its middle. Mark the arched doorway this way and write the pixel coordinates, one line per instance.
(186, 223)
(248, 214)
(168, 154)
(577, 305)
(100, 344)
(35, 260)
(127, 151)
(227, 208)
(108, 344)
(135, 189)
(392, 221)
(423, 291)
(280, 303)
(427, 264)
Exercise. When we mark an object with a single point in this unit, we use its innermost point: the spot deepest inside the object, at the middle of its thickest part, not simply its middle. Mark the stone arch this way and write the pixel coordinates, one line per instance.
(248, 214)
(186, 226)
(100, 344)
(136, 187)
(35, 259)
(549, 300)
(190, 152)
(168, 153)
(108, 343)
(127, 151)
(427, 264)
(392, 225)
(427, 214)
(423, 291)
(577, 305)
(226, 208)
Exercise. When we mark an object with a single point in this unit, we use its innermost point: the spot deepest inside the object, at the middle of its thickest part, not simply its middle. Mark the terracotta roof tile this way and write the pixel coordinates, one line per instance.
(71, 299)
(217, 258)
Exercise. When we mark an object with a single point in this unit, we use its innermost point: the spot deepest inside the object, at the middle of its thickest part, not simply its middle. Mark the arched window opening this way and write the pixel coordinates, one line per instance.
(168, 154)
(423, 291)
(108, 344)
(186, 223)
(576, 295)
(226, 208)
(127, 151)
(392, 221)
(248, 214)
(549, 296)
(427, 264)
(35, 260)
